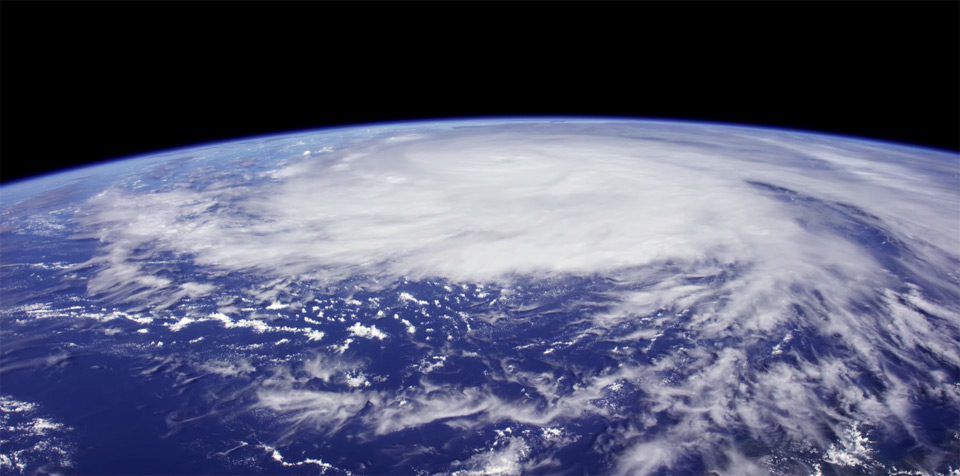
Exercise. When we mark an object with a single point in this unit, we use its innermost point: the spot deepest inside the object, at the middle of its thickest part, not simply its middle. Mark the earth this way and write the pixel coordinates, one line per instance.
(496, 297)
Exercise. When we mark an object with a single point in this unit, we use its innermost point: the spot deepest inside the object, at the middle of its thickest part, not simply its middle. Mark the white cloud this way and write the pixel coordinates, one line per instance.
(181, 323)
(30, 442)
(317, 409)
(756, 234)
(367, 332)
(324, 367)
(505, 461)
(853, 449)
(228, 368)
(484, 205)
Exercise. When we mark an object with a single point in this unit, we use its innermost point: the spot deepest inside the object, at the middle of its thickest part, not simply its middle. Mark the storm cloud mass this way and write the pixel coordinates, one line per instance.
(664, 297)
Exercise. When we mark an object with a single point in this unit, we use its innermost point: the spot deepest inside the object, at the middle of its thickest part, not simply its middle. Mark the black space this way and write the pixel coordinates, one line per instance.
(85, 82)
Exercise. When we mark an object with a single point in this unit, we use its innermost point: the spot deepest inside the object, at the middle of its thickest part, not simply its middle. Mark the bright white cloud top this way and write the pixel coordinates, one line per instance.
(722, 299)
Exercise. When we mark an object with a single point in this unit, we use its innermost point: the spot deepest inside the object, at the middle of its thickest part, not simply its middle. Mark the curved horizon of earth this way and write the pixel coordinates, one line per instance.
(524, 296)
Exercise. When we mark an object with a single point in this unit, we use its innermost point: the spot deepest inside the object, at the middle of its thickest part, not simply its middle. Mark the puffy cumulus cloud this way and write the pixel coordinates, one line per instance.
(504, 461)
(729, 237)
(367, 332)
(31, 443)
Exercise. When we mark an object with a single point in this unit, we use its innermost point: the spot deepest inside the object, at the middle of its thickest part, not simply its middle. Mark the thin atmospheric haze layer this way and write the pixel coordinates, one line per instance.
(488, 297)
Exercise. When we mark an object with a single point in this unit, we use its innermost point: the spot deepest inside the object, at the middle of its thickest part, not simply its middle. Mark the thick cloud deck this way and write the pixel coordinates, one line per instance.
(487, 203)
